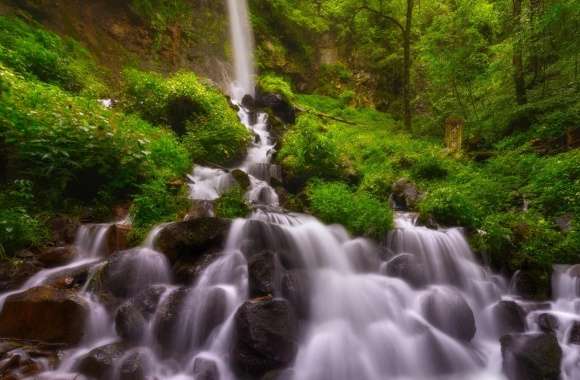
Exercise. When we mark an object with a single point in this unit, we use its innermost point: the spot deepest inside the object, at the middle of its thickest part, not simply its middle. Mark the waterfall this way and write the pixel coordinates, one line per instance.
(243, 47)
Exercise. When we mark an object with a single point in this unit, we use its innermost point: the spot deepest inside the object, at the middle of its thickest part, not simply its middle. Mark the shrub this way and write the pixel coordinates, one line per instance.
(274, 84)
(19, 230)
(452, 207)
(361, 214)
(429, 167)
(39, 54)
(200, 113)
(232, 204)
(308, 151)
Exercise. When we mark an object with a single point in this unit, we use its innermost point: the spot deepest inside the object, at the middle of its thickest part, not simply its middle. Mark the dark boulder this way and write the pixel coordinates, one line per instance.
(130, 323)
(574, 335)
(148, 299)
(405, 194)
(241, 178)
(135, 366)
(205, 369)
(447, 310)
(45, 314)
(266, 336)
(407, 267)
(280, 106)
(186, 271)
(510, 317)
(296, 289)
(531, 356)
(533, 284)
(285, 374)
(15, 273)
(264, 271)
(192, 238)
(167, 320)
(54, 257)
(63, 229)
(99, 363)
(548, 323)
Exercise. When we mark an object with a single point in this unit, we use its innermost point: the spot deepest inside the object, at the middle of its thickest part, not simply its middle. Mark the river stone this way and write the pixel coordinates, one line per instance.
(167, 319)
(205, 369)
(99, 363)
(296, 289)
(242, 178)
(408, 268)
(278, 104)
(192, 238)
(510, 317)
(58, 256)
(266, 336)
(447, 310)
(45, 314)
(135, 366)
(531, 356)
(130, 323)
(405, 194)
(263, 271)
(548, 323)
(574, 337)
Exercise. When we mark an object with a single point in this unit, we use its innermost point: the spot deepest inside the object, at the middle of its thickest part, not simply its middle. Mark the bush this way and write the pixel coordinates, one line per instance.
(38, 54)
(232, 204)
(429, 167)
(274, 84)
(210, 128)
(19, 230)
(452, 207)
(361, 214)
(307, 151)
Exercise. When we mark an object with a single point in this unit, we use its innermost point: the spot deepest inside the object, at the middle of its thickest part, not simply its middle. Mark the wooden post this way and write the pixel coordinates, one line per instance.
(454, 133)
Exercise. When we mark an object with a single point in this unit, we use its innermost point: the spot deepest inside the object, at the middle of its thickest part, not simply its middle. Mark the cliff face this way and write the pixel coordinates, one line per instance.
(118, 34)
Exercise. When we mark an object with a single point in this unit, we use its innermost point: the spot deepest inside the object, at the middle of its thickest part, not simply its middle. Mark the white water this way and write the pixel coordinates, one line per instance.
(243, 46)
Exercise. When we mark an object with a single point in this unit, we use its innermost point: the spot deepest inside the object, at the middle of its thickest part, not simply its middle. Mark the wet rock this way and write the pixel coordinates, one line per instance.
(192, 238)
(266, 336)
(249, 102)
(531, 356)
(185, 272)
(54, 257)
(147, 300)
(99, 363)
(405, 194)
(130, 323)
(278, 104)
(548, 323)
(263, 271)
(510, 317)
(205, 369)
(128, 272)
(46, 314)
(21, 359)
(241, 178)
(533, 284)
(286, 374)
(63, 229)
(296, 289)
(118, 238)
(14, 274)
(168, 317)
(135, 367)
(447, 310)
(574, 335)
(407, 267)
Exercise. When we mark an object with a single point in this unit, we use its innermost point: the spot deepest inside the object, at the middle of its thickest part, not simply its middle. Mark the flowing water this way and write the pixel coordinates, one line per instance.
(359, 319)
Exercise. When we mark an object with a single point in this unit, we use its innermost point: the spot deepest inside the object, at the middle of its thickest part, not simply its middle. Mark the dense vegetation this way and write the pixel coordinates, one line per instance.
(377, 84)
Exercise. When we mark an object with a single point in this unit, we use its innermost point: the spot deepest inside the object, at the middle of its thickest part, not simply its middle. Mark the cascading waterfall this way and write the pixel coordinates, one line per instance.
(417, 306)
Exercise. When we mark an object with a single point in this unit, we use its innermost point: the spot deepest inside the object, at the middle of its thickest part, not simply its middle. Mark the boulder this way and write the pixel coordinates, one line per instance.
(295, 288)
(447, 310)
(510, 317)
(205, 369)
(241, 178)
(531, 356)
(130, 323)
(55, 257)
(135, 366)
(574, 335)
(167, 320)
(15, 273)
(185, 272)
(45, 314)
(19, 359)
(148, 299)
(280, 106)
(192, 238)
(63, 229)
(405, 194)
(99, 363)
(264, 274)
(266, 336)
(407, 267)
(548, 323)
(117, 238)
(286, 374)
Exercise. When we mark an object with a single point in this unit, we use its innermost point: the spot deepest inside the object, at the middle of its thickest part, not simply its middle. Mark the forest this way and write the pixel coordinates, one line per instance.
(433, 144)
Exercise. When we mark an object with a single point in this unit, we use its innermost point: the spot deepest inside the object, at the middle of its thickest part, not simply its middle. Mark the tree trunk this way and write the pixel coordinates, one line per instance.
(407, 66)
(517, 60)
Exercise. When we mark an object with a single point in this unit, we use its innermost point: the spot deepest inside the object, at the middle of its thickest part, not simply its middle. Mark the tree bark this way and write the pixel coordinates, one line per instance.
(408, 116)
(517, 59)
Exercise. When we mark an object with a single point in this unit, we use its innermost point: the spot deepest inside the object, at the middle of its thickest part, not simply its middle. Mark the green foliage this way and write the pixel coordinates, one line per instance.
(274, 84)
(452, 207)
(429, 167)
(335, 202)
(307, 151)
(210, 127)
(18, 230)
(232, 204)
(38, 54)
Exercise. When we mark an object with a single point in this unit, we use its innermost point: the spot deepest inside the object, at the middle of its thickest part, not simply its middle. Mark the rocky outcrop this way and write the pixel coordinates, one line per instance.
(448, 311)
(405, 194)
(130, 323)
(54, 257)
(266, 336)
(19, 359)
(99, 363)
(45, 314)
(280, 106)
(531, 356)
(192, 238)
(510, 317)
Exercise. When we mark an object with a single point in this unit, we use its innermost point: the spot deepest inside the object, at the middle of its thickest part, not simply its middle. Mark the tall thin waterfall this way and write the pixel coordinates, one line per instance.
(243, 45)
